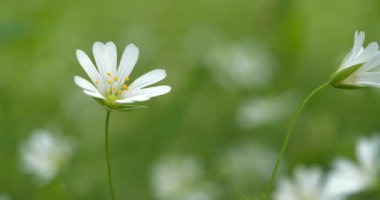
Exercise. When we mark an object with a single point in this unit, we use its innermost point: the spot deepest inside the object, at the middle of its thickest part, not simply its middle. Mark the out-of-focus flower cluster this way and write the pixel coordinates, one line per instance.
(181, 178)
(346, 180)
(45, 154)
(4, 197)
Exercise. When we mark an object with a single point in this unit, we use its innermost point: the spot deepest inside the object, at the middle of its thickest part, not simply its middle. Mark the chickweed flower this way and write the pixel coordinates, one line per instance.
(358, 68)
(4, 197)
(350, 177)
(45, 154)
(307, 184)
(109, 83)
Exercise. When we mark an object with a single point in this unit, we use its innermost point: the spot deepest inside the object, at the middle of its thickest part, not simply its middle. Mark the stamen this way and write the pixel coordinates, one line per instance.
(125, 87)
(126, 78)
(109, 81)
(109, 74)
(119, 92)
(116, 78)
(97, 82)
(114, 88)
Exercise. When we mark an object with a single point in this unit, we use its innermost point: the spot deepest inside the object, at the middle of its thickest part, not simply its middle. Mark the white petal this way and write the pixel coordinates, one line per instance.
(358, 54)
(371, 64)
(368, 79)
(346, 178)
(358, 42)
(127, 63)
(368, 53)
(84, 84)
(132, 99)
(145, 94)
(149, 78)
(352, 57)
(94, 94)
(110, 57)
(98, 51)
(87, 65)
(367, 152)
(155, 91)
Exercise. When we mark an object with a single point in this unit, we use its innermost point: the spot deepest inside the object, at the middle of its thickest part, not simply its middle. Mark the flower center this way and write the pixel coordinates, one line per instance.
(113, 91)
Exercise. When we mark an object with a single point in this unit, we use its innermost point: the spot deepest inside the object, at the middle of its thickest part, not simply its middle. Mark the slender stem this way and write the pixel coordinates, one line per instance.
(288, 135)
(108, 156)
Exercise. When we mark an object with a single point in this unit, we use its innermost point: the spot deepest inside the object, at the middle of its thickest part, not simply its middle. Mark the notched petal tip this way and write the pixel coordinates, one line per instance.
(132, 48)
(110, 43)
(98, 43)
(162, 72)
(79, 53)
(76, 78)
(132, 45)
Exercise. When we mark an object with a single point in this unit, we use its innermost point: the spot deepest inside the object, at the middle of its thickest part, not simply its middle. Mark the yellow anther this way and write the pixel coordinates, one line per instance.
(109, 74)
(109, 81)
(116, 78)
(119, 92)
(125, 87)
(96, 82)
(114, 88)
(126, 78)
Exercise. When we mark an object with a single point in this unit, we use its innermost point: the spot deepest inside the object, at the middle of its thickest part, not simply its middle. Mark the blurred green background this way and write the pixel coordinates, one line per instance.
(238, 70)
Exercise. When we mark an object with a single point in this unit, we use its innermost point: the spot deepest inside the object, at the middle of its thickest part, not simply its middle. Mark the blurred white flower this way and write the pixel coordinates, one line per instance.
(357, 67)
(265, 110)
(45, 154)
(241, 65)
(109, 83)
(308, 184)
(4, 197)
(180, 178)
(349, 177)
(240, 163)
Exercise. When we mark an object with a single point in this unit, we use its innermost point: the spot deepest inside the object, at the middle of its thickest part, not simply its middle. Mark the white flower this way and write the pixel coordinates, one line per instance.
(348, 177)
(4, 197)
(255, 112)
(308, 184)
(180, 178)
(109, 82)
(357, 68)
(45, 154)
(239, 163)
(241, 65)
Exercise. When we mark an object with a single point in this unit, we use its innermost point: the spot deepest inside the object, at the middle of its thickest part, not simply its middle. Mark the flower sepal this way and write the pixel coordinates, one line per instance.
(340, 78)
(119, 107)
(129, 107)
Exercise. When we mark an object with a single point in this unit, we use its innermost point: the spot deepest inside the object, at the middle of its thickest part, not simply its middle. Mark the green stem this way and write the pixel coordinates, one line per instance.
(108, 156)
(288, 135)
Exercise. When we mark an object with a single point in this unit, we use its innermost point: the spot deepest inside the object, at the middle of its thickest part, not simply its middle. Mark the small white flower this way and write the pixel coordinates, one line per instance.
(357, 68)
(4, 197)
(45, 154)
(255, 112)
(239, 163)
(109, 82)
(181, 178)
(348, 177)
(308, 184)
(241, 65)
